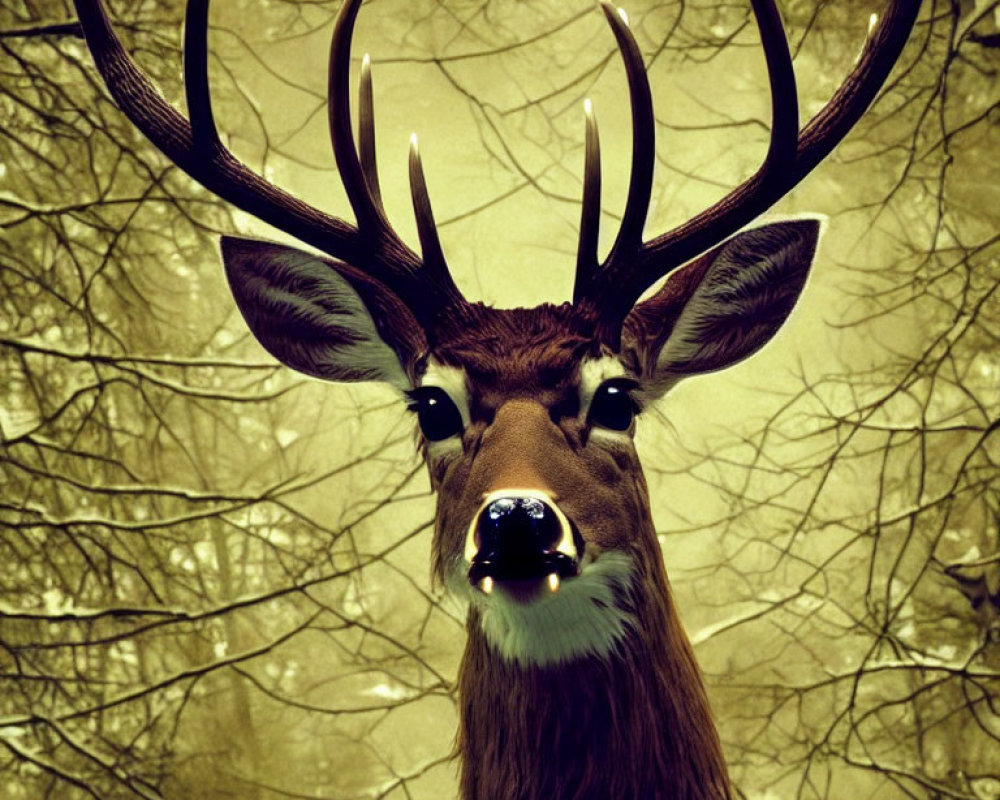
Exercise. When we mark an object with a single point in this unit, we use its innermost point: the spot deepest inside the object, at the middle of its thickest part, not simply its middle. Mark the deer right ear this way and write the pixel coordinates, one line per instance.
(723, 306)
(322, 317)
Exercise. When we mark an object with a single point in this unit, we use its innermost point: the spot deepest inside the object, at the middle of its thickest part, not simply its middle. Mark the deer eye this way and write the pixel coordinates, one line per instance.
(612, 406)
(437, 414)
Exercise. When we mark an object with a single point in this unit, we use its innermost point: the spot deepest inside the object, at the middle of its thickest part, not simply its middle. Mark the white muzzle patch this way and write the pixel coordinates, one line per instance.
(575, 618)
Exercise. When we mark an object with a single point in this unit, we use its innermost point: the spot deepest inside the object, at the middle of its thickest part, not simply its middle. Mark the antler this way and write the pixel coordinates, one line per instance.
(425, 286)
(611, 289)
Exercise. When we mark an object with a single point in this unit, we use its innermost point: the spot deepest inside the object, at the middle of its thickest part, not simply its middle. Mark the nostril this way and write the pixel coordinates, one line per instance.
(517, 527)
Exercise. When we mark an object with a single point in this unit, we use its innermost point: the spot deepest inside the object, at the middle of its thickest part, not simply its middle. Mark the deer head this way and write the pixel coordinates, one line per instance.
(578, 680)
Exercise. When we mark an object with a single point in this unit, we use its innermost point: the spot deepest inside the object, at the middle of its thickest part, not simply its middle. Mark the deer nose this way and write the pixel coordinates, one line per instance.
(515, 527)
(521, 538)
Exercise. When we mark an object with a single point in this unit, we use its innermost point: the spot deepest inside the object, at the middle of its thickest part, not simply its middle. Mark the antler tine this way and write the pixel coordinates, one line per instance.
(359, 172)
(882, 49)
(199, 97)
(435, 287)
(629, 239)
(784, 93)
(791, 155)
(366, 133)
(430, 245)
(367, 210)
(590, 212)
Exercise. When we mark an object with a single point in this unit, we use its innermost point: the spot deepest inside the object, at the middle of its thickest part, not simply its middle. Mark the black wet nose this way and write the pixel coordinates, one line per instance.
(517, 539)
(517, 527)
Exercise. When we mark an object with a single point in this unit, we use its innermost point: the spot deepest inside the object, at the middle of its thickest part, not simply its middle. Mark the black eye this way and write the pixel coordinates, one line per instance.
(437, 415)
(613, 407)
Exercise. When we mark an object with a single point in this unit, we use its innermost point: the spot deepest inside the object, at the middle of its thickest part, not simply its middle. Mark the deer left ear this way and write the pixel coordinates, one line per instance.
(721, 307)
(322, 317)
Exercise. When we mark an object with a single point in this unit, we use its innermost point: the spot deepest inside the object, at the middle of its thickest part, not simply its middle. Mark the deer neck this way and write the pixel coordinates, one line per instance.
(633, 723)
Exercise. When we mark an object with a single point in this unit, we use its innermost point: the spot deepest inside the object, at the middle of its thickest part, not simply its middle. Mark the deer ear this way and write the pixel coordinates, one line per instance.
(721, 307)
(322, 317)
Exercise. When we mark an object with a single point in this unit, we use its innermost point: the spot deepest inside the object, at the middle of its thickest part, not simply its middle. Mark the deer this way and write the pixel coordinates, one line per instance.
(577, 679)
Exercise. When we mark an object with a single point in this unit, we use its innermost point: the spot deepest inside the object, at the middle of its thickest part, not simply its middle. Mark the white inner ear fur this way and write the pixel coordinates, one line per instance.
(685, 342)
(369, 352)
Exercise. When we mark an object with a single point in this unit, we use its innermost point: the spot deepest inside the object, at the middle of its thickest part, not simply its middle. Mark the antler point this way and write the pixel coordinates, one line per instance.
(609, 8)
(872, 22)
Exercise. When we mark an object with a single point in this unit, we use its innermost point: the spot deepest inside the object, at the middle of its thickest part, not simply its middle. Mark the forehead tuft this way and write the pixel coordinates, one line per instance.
(522, 345)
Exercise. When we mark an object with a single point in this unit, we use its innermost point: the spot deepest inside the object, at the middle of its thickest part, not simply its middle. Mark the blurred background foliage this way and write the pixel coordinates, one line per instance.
(214, 574)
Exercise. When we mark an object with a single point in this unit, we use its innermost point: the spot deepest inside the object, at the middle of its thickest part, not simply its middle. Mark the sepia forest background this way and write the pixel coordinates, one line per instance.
(214, 573)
